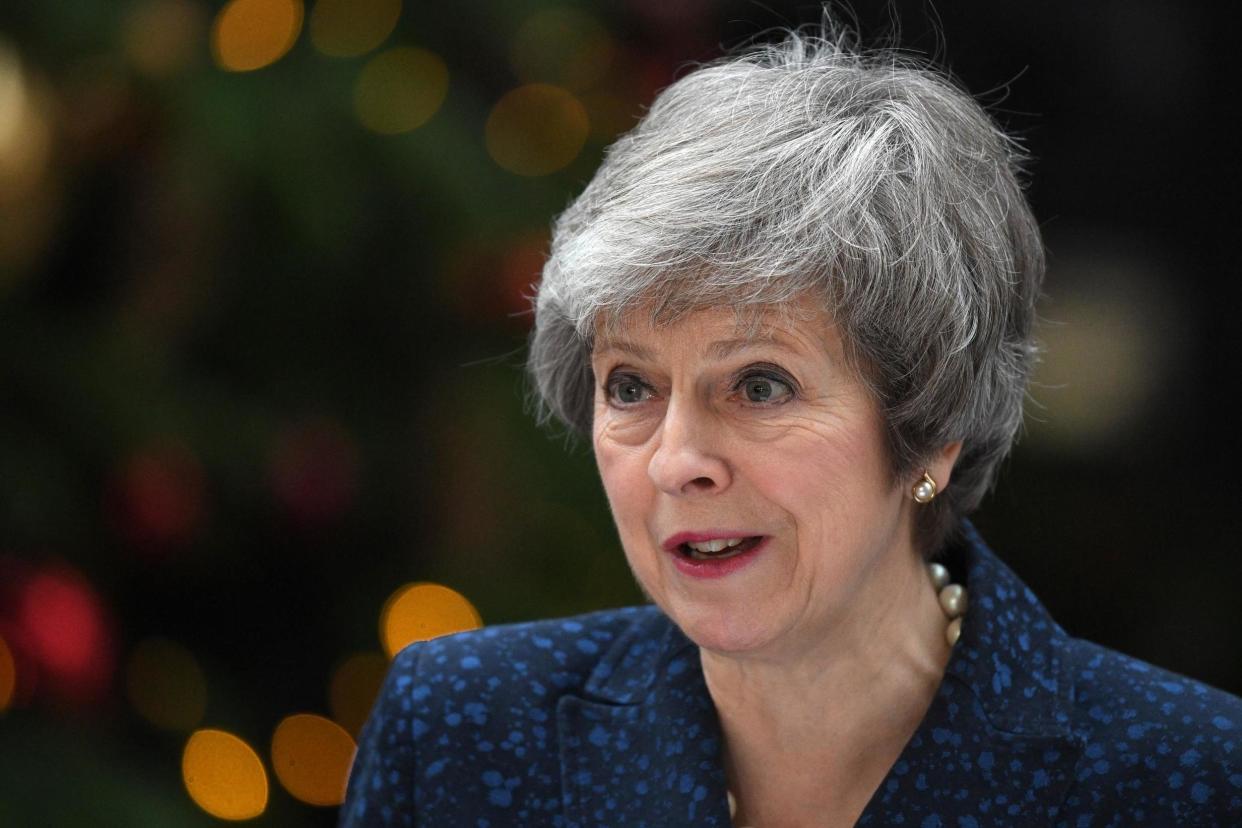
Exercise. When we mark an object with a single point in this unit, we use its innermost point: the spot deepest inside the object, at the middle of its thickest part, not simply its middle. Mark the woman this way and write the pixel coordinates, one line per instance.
(793, 312)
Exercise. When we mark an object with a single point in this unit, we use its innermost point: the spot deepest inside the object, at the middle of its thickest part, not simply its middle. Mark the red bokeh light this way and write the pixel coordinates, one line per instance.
(314, 471)
(520, 272)
(157, 497)
(61, 634)
(494, 285)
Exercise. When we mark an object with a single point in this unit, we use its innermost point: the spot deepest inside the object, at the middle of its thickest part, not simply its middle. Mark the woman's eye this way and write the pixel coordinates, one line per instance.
(764, 389)
(626, 391)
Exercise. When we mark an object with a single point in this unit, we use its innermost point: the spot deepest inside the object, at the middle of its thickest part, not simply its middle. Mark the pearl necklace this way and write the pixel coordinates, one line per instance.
(952, 599)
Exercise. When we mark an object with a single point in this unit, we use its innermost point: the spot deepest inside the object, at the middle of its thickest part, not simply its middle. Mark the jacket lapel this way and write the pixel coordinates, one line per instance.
(960, 770)
(996, 747)
(642, 746)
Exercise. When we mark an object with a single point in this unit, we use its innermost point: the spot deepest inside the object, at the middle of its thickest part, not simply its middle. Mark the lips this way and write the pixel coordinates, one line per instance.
(714, 546)
(692, 552)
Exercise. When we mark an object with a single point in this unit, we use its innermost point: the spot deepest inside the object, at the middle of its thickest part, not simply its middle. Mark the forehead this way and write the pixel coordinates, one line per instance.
(717, 332)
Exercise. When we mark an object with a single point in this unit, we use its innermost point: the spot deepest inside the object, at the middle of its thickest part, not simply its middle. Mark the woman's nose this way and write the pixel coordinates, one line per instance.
(687, 459)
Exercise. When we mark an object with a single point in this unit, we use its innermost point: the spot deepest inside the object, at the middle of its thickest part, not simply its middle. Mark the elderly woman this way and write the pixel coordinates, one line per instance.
(793, 313)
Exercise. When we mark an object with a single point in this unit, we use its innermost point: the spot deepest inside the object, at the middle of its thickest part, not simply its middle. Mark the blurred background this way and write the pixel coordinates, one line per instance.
(263, 268)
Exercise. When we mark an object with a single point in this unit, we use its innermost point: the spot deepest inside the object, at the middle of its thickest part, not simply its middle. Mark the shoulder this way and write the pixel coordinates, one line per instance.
(561, 652)
(1156, 744)
(492, 685)
(1138, 745)
(467, 722)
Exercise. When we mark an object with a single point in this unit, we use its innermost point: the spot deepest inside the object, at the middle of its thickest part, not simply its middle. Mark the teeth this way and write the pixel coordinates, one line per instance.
(716, 545)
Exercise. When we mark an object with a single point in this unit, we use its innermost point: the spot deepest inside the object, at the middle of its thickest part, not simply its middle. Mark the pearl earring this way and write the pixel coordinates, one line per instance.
(924, 490)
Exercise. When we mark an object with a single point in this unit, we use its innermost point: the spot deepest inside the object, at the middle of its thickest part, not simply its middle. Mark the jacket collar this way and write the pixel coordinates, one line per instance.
(1011, 653)
(642, 744)
(996, 746)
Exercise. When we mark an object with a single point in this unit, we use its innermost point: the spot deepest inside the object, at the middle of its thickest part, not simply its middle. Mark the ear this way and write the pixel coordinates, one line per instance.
(940, 465)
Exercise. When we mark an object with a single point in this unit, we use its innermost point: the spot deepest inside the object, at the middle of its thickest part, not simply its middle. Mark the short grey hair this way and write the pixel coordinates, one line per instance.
(866, 179)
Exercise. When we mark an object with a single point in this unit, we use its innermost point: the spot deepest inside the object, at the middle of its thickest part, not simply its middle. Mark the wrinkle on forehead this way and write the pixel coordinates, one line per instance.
(756, 322)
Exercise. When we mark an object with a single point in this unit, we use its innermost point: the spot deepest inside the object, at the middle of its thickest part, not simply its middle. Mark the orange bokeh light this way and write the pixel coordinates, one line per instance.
(311, 756)
(8, 675)
(417, 612)
(224, 775)
(30, 187)
(25, 130)
(399, 90)
(536, 129)
(251, 34)
(347, 28)
(354, 686)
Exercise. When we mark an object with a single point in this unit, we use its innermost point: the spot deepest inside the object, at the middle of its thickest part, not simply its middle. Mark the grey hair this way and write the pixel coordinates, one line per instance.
(865, 179)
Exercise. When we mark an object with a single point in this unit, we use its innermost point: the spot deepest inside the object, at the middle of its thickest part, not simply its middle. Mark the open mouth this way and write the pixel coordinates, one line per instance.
(718, 550)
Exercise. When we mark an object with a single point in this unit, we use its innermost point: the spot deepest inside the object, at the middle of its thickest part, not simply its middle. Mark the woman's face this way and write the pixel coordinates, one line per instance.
(701, 432)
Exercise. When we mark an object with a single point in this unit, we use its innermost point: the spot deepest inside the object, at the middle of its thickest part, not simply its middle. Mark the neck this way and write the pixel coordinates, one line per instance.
(836, 718)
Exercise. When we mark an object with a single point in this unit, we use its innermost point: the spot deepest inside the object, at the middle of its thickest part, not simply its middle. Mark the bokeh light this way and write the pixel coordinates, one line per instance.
(311, 756)
(419, 611)
(25, 137)
(251, 34)
(314, 468)
(12, 95)
(1113, 344)
(156, 497)
(166, 685)
(347, 28)
(536, 129)
(27, 203)
(354, 686)
(8, 675)
(67, 633)
(520, 271)
(224, 775)
(400, 89)
(161, 37)
(492, 284)
(563, 46)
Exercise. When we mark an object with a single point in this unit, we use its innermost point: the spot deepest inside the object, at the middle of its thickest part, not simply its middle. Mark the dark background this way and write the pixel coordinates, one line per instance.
(260, 365)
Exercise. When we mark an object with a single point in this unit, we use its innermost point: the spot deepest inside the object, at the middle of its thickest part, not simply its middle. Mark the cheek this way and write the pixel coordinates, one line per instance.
(624, 428)
(624, 477)
(823, 472)
(623, 474)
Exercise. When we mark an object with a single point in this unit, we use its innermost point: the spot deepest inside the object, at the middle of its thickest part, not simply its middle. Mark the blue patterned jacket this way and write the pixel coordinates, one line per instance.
(605, 720)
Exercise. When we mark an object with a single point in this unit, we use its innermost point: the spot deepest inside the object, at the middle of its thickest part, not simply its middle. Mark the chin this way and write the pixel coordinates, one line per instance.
(722, 631)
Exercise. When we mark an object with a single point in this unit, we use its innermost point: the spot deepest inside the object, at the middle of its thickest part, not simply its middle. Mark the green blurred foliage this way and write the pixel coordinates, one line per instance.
(263, 369)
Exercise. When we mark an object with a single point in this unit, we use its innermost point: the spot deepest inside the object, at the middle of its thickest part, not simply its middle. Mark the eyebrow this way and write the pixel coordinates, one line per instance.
(720, 349)
(725, 348)
(625, 347)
